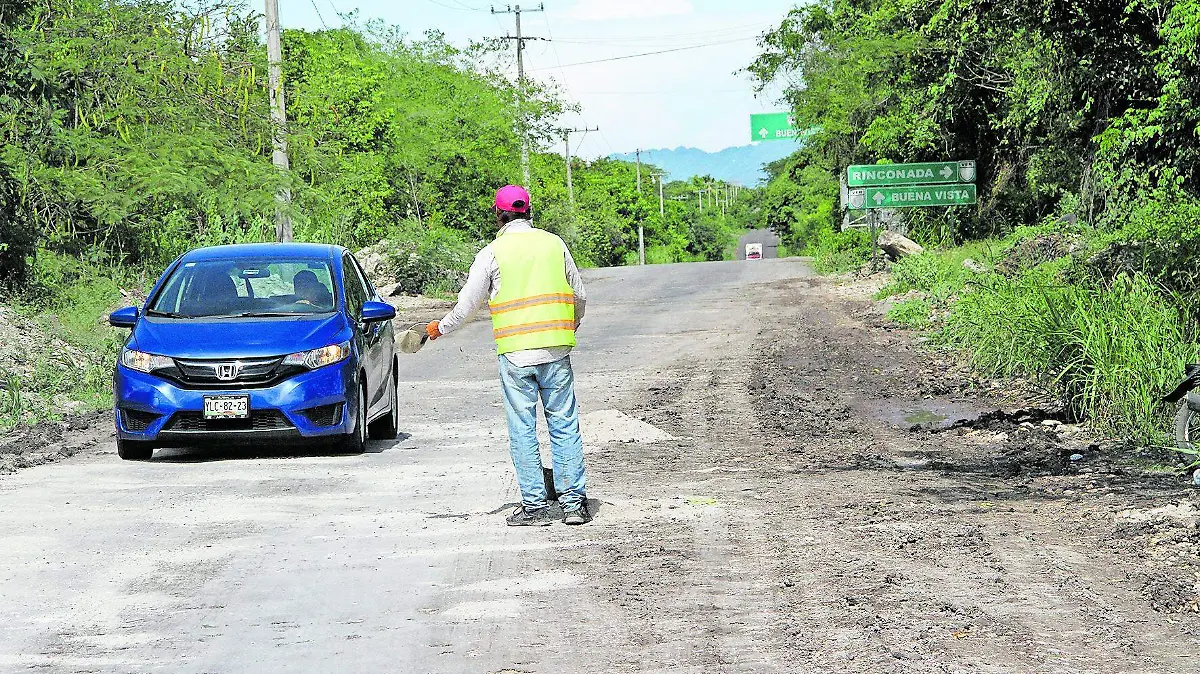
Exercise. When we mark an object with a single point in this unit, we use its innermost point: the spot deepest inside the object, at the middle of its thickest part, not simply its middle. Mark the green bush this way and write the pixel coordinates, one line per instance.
(838, 252)
(431, 261)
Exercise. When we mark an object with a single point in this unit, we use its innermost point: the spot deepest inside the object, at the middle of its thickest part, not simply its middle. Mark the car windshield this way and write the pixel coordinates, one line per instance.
(246, 288)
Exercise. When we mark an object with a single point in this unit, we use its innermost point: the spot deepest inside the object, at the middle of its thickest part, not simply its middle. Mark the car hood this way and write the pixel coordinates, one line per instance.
(237, 337)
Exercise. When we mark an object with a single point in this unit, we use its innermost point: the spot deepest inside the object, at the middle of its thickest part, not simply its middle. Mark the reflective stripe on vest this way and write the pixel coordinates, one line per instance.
(535, 307)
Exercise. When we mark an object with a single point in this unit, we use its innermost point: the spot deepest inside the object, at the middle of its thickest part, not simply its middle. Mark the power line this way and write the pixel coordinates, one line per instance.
(649, 53)
(319, 17)
(665, 91)
(611, 151)
(660, 39)
(457, 6)
(558, 60)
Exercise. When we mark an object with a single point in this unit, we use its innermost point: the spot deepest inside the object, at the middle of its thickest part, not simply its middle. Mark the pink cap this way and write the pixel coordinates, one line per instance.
(512, 198)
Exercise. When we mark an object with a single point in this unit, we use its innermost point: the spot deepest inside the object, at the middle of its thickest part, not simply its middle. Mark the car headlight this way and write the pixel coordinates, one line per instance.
(326, 355)
(145, 362)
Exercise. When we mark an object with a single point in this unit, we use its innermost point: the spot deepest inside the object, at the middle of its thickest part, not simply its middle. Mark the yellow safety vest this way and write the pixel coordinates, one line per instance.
(535, 308)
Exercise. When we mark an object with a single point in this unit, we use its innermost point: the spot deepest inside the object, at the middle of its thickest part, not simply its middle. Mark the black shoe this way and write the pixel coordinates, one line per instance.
(577, 515)
(530, 518)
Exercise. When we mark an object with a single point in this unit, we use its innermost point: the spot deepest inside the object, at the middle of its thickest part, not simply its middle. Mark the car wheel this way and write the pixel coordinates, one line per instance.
(356, 441)
(133, 450)
(388, 427)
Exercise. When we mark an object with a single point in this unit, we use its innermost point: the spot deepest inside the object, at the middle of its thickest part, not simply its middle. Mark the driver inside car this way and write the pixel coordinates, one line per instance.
(310, 291)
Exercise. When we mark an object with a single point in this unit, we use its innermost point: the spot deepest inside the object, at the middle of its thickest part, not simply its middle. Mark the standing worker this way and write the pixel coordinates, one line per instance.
(537, 298)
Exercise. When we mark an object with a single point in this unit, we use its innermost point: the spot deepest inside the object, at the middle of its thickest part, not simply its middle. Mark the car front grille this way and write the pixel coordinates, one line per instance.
(137, 421)
(325, 415)
(248, 373)
(228, 373)
(194, 422)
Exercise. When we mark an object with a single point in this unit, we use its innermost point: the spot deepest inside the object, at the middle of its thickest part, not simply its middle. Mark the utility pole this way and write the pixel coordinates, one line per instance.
(522, 126)
(639, 170)
(279, 157)
(641, 228)
(566, 133)
(700, 196)
(661, 210)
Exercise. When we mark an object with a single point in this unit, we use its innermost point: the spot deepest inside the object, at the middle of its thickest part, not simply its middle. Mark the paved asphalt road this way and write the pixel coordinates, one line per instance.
(394, 561)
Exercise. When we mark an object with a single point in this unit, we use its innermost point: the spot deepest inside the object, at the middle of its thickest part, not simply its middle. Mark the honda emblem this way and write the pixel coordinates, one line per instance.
(227, 371)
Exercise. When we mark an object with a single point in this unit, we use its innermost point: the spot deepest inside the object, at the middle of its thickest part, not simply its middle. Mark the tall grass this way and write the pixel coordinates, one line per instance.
(1109, 351)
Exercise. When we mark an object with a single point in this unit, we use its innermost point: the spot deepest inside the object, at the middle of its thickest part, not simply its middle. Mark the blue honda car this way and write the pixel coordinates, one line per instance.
(279, 343)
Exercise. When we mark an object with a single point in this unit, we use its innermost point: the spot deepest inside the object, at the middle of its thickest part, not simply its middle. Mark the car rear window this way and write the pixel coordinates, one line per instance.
(232, 288)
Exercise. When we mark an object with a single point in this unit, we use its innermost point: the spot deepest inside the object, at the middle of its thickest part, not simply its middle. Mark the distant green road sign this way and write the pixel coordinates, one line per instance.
(912, 196)
(774, 126)
(942, 172)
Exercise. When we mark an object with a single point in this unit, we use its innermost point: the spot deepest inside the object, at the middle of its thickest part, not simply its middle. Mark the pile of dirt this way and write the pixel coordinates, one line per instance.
(615, 426)
(1025, 442)
(50, 441)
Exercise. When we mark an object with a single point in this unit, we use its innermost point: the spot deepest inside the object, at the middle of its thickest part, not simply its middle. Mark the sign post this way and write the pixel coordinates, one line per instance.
(872, 187)
(774, 126)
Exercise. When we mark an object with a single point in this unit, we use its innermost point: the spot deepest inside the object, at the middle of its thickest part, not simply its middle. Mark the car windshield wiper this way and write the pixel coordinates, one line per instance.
(166, 314)
(260, 314)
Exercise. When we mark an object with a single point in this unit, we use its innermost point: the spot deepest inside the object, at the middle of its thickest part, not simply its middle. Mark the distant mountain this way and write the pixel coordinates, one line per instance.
(735, 164)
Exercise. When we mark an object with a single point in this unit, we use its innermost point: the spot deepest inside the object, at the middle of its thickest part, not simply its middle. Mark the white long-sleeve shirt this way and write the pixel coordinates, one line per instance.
(483, 284)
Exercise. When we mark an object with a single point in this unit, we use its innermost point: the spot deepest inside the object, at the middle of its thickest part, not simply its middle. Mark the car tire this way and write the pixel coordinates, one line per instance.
(355, 441)
(133, 450)
(387, 428)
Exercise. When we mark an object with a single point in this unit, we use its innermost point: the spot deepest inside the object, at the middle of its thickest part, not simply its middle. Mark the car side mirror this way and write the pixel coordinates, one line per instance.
(124, 318)
(377, 312)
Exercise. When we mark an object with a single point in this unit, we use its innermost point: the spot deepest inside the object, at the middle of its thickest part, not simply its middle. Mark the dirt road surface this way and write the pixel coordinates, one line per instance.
(809, 511)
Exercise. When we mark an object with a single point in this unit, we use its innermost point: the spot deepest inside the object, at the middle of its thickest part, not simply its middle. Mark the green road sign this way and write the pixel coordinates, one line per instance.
(774, 126)
(911, 174)
(912, 196)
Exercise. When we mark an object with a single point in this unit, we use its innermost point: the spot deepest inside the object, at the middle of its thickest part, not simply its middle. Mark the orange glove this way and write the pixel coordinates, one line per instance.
(433, 330)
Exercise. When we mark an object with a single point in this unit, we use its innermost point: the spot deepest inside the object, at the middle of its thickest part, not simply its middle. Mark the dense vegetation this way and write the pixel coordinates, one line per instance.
(1082, 116)
(132, 130)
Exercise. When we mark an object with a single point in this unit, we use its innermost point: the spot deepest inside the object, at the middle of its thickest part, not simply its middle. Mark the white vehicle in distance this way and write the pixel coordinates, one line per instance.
(754, 251)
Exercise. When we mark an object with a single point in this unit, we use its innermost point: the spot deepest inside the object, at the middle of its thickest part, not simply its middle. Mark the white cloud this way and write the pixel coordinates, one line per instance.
(606, 10)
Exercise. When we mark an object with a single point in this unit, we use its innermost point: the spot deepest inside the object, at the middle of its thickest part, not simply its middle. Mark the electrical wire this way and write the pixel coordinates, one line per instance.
(649, 53)
(319, 17)
(459, 8)
(558, 60)
(603, 137)
(658, 39)
(661, 92)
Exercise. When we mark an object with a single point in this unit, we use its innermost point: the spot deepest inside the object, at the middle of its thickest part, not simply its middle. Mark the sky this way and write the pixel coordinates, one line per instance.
(692, 97)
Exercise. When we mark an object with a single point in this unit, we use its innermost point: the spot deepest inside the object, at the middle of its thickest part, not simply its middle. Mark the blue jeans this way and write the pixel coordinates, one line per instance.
(554, 383)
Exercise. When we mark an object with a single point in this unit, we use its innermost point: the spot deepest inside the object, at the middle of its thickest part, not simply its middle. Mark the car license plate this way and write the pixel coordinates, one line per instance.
(226, 407)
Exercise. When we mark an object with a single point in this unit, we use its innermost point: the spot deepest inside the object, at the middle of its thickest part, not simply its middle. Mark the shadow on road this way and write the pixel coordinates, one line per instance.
(202, 454)
(594, 505)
